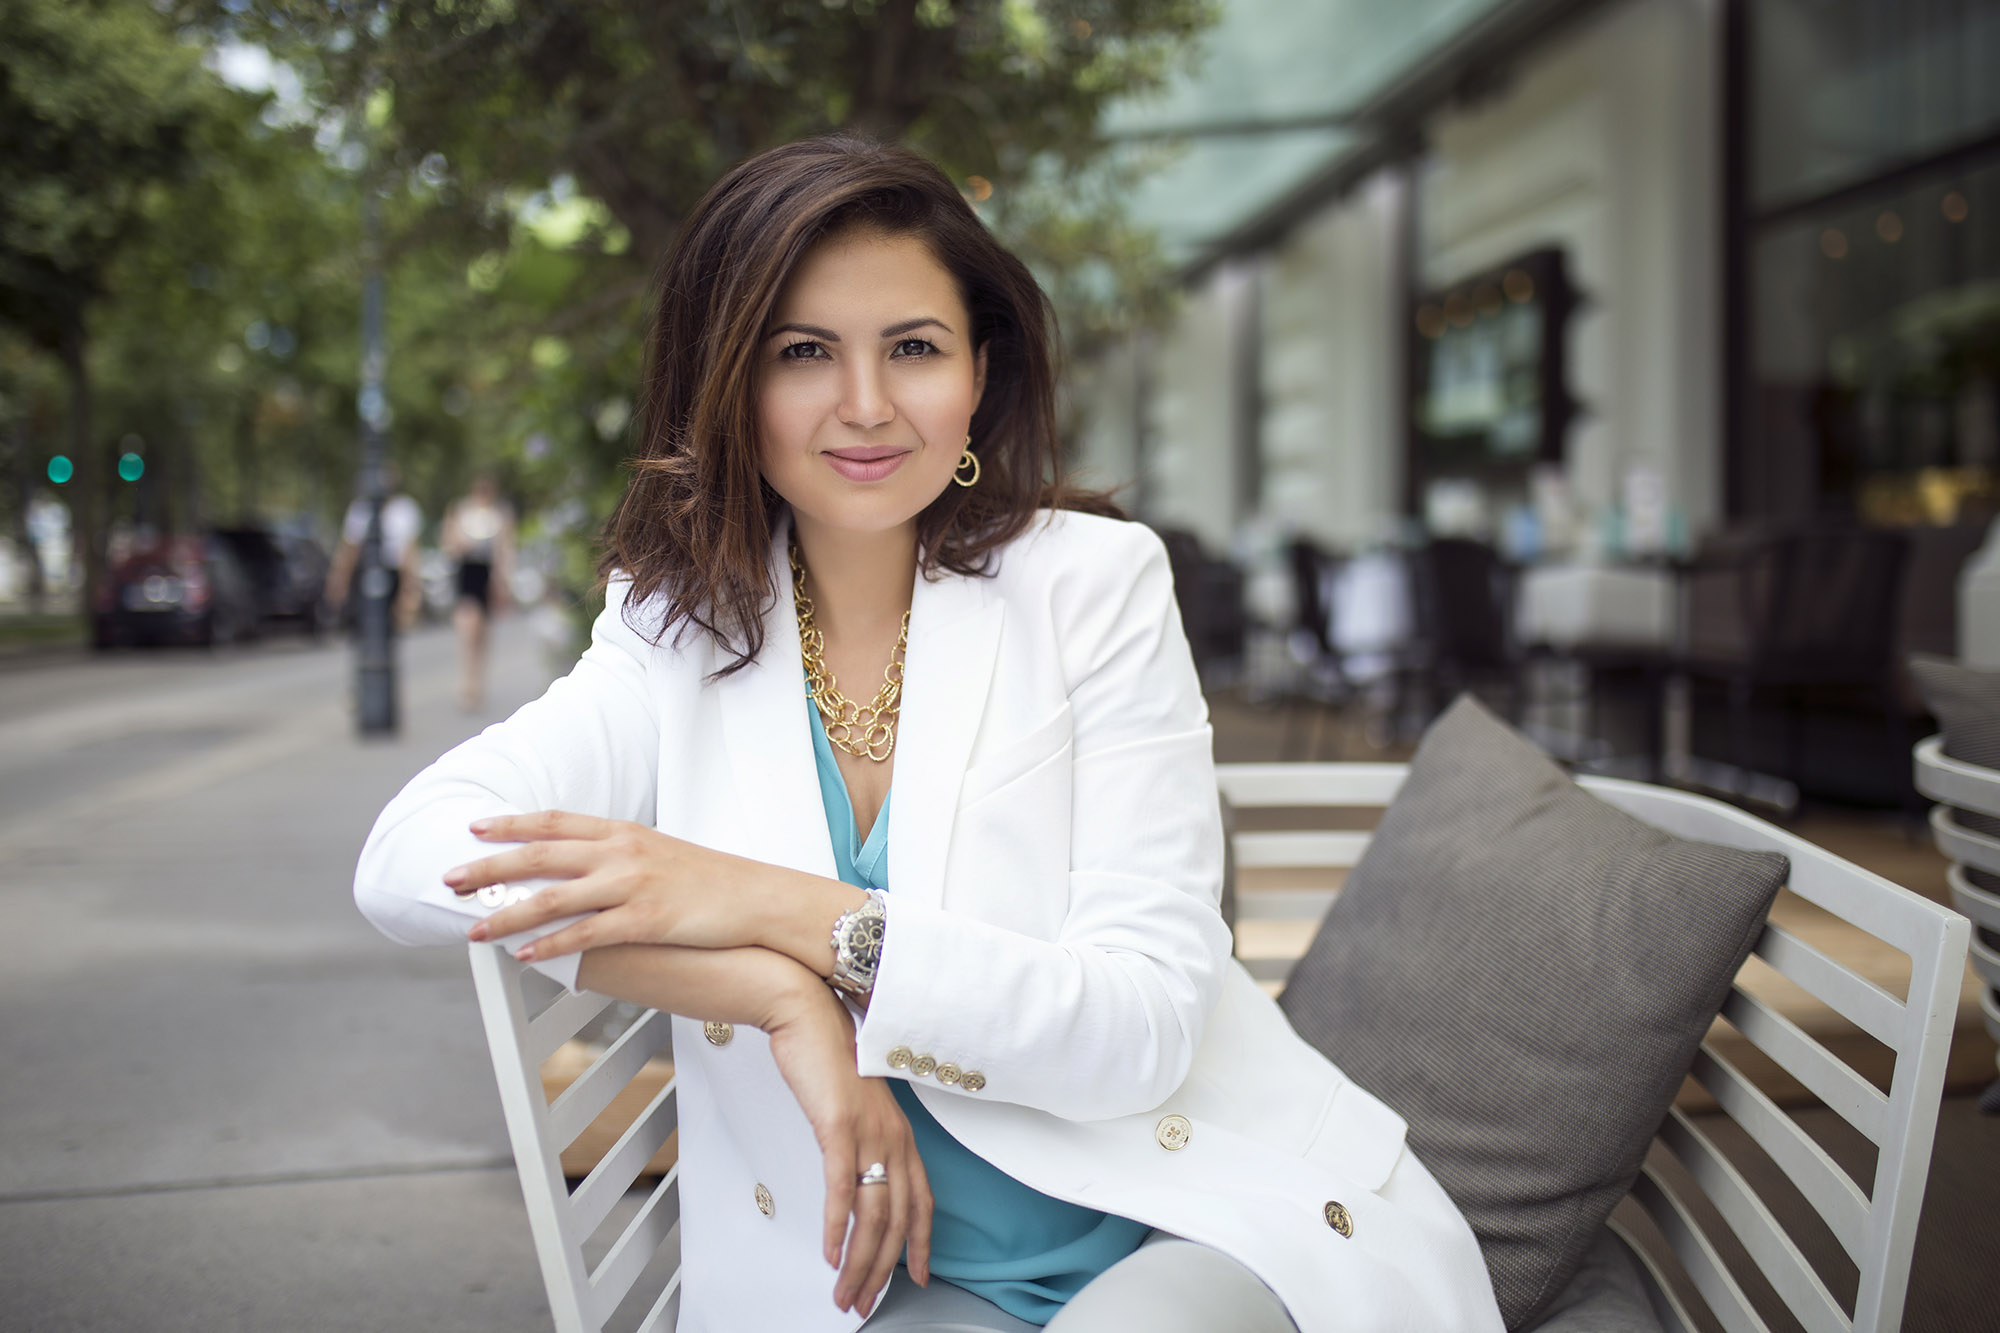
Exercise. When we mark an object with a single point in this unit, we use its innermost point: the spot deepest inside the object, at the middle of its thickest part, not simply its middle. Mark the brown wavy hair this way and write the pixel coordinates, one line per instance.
(695, 525)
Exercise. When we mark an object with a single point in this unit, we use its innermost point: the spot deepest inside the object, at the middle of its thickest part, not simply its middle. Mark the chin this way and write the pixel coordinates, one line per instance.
(863, 513)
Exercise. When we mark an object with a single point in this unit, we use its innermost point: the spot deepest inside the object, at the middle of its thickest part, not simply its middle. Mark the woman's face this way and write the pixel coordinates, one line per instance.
(866, 383)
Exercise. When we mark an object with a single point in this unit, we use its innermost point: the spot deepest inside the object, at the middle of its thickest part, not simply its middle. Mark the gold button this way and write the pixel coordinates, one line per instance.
(900, 1058)
(972, 1080)
(718, 1033)
(922, 1065)
(765, 1204)
(949, 1074)
(1339, 1219)
(1173, 1132)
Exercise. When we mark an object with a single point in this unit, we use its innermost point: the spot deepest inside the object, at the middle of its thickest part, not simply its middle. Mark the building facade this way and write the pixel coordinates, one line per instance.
(1606, 275)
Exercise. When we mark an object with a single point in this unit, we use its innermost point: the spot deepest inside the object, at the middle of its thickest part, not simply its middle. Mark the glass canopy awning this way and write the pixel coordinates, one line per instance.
(1272, 103)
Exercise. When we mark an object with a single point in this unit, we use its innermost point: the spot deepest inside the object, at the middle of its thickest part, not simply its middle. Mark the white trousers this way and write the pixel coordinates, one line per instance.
(1167, 1285)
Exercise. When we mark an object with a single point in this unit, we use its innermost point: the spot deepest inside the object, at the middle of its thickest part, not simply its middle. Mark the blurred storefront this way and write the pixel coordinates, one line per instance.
(1594, 281)
(1619, 271)
(1869, 325)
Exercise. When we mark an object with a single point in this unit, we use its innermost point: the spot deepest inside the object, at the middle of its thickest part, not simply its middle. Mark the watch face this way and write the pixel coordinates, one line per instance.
(860, 948)
(865, 939)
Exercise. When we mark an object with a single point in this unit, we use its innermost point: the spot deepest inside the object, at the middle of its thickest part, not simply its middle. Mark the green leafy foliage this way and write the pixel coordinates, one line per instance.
(533, 159)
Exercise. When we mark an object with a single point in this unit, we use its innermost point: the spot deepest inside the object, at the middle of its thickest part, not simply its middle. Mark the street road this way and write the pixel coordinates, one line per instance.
(225, 1101)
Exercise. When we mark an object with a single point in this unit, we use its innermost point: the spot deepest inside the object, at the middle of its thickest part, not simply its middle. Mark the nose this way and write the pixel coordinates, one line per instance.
(864, 398)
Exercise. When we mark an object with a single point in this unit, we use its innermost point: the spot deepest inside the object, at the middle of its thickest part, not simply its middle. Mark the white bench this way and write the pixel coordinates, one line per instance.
(1875, 1226)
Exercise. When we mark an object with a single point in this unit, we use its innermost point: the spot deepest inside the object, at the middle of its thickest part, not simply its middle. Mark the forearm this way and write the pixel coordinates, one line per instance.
(752, 985)
(792, 913)
(1103, 1022)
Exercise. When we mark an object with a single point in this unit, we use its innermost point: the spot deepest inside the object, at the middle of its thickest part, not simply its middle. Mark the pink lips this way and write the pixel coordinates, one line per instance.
(867, 463)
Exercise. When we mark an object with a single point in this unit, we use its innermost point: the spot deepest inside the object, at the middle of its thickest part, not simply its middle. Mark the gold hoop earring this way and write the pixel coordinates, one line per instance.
(968, 459)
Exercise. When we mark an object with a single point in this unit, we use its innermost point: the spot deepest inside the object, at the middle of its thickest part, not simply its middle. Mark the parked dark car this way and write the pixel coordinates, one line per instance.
(185, 589)
(287, 575)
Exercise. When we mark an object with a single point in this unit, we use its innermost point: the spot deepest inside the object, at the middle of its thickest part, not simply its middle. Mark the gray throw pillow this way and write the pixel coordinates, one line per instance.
(1524, 972)
(1966, 703)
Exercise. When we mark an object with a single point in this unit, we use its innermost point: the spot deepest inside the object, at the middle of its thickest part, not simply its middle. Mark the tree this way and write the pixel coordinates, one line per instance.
(227, 335)
(100, 104)
(566, 139)
(645, 104)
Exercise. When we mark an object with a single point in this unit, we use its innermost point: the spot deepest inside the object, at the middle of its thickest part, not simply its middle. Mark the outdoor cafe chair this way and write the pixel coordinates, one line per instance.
(521, 1035)
(1703, 1208)
(1699, 1200)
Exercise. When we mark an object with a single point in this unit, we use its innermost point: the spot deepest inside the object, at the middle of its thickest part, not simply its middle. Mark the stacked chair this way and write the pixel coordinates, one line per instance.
(1967, 829)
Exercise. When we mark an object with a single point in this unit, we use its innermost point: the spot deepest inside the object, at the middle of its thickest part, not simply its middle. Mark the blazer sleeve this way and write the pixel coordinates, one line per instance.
(1103, 1020)
(590, 745)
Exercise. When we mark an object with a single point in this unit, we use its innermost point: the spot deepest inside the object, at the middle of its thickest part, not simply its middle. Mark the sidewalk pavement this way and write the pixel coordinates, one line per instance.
(228, 1103)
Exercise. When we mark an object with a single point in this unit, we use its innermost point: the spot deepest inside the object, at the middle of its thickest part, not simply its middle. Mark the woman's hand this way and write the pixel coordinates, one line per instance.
(643, 887)
(858, 1123)
(856, 1120)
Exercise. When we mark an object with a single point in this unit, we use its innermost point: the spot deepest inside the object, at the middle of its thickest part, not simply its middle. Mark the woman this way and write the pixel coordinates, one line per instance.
(479, 538)
(1041, 1077)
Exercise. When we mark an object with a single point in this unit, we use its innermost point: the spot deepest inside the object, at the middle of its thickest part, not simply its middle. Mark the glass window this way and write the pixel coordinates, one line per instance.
(1876, 342)
(1842, 89)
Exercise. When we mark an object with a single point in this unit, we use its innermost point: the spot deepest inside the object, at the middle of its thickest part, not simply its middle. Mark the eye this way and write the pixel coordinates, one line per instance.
(806, 350)
(910, 347)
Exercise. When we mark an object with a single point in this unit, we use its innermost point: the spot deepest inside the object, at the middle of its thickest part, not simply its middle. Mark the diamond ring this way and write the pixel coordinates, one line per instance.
(876, 1174)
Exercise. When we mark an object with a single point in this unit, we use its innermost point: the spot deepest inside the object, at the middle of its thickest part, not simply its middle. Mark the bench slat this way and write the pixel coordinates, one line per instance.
(658, 1218)
(1300, 849)
(1251, 786)
(666, 1311)
(1697, 1255)
(549, 1029)
(1830, 1190)
(584, 1100)
(1268, 969)
(1859, 1102)
(1855, 998)
(1283, 904)
(594, 1197)
(1780, 1261)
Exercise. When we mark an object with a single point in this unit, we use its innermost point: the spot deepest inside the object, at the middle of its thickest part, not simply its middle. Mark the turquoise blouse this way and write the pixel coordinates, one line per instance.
(1015, 1246)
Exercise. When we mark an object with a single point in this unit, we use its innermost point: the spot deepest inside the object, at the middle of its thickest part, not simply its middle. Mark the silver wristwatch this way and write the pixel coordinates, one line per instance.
(857, 946)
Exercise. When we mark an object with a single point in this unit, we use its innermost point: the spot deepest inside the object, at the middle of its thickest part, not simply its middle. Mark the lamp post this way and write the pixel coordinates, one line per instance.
(375, 664)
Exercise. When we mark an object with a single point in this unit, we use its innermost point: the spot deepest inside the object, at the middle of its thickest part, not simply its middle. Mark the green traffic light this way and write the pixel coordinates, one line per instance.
(61, 469)
(131, 467)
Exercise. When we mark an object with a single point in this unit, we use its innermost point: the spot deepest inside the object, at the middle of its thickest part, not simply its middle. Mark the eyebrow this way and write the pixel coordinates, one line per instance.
(828, 335)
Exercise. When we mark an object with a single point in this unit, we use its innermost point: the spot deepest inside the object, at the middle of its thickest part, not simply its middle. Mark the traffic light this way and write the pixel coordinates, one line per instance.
(61, 469)
(131, 467)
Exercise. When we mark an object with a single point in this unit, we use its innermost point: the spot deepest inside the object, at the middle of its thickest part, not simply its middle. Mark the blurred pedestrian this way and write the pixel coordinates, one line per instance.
(402, 525)
(479, 538)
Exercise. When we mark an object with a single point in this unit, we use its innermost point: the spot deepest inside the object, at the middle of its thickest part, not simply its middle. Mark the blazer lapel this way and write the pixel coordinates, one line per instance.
(954, 635)
(770, 741)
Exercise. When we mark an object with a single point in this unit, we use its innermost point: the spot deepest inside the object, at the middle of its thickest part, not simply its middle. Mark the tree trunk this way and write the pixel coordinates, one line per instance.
(878, 107)
(88, 519)
(24, 495)
(247, 480)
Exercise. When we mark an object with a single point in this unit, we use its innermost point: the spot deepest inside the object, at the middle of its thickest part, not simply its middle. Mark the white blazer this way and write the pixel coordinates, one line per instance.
(1053, 950)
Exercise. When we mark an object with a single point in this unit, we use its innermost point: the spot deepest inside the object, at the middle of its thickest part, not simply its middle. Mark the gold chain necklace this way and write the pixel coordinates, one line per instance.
(866, 731)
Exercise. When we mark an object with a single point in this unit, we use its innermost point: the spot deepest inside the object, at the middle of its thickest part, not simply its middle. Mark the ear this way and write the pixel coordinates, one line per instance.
(978, 376)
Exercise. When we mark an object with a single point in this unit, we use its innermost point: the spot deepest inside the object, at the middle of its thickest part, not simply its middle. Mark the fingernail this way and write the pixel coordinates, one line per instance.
(455, 875)
(481, 825)
(524, 953)
(478, 932)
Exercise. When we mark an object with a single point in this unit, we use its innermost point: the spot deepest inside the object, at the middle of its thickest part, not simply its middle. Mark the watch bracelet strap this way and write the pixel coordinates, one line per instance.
(854, 961)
